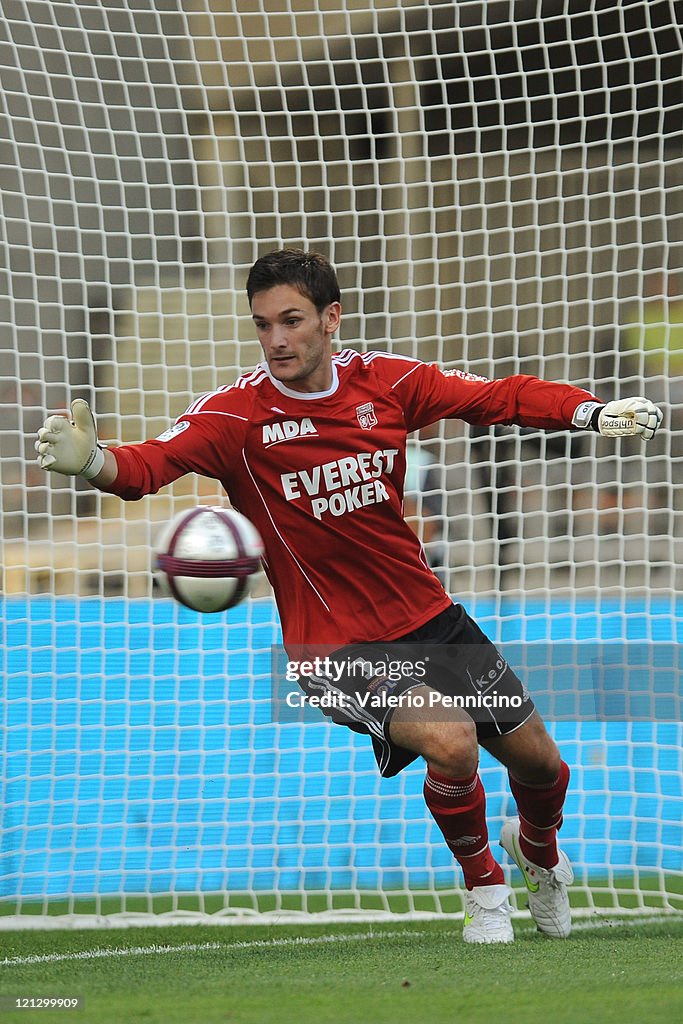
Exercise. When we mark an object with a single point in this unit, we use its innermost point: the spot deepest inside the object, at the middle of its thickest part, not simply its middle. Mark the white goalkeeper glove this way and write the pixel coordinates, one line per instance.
(70, 446)
(624, 418)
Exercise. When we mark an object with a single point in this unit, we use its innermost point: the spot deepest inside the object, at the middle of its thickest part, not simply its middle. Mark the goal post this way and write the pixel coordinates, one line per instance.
(498, 186)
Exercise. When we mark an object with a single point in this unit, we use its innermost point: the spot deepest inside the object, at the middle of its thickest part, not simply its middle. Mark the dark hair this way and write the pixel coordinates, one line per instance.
(310, 273)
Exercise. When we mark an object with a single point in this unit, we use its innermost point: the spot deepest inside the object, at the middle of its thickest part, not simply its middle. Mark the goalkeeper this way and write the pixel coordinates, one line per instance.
(311, 447)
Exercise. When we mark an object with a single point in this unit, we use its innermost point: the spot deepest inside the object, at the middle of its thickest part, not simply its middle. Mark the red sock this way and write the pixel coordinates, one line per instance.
(458, 806)
(540, 816)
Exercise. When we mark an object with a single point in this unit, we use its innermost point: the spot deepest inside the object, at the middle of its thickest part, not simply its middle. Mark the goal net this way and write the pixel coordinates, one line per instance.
(498, 185)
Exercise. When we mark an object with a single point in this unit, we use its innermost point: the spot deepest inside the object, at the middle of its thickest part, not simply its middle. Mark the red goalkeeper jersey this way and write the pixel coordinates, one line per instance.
(321, 477)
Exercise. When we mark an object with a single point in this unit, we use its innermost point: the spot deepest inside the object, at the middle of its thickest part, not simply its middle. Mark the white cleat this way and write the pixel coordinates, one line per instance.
(547, 888)
(487, 915)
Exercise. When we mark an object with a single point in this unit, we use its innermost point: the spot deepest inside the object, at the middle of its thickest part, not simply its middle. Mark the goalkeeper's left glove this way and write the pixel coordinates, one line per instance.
(623, 418)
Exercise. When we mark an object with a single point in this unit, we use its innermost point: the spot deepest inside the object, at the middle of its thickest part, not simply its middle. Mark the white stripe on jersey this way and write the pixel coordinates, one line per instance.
(284, 542)
(254, 377)
(406, 374)
(198, 405)
(215, 412)
(346, 356)
(261, 373)
(196, 401)
(367, 357)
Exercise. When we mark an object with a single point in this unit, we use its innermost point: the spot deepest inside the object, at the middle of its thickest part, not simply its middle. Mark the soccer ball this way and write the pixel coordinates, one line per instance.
(206, 558)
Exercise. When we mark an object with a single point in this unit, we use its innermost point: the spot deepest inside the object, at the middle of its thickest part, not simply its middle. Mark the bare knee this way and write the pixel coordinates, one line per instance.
(448, 745)
(548, 764)
(530, 754)
(454, 752)
(540, 763)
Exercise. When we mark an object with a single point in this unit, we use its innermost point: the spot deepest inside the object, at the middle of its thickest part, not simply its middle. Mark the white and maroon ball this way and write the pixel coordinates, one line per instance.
(207, 556)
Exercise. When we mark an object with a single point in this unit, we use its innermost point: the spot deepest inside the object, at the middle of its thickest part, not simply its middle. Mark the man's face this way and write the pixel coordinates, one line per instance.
(295, 337)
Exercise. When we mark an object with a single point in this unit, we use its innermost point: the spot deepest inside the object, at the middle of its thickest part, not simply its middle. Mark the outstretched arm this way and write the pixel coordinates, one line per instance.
(199, 444)
(429, 394)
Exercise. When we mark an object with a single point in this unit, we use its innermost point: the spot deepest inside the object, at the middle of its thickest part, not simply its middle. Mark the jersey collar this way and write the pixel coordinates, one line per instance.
(305, 396)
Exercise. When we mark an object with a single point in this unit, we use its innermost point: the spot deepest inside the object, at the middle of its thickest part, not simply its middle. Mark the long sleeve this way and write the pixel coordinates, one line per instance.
(428, 393)
(205, 440)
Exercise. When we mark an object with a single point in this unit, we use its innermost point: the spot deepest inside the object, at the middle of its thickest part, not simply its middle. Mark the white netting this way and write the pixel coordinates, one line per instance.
(498, 185)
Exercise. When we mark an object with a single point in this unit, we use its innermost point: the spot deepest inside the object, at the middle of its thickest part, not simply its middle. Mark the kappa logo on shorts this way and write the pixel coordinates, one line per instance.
(491, 678)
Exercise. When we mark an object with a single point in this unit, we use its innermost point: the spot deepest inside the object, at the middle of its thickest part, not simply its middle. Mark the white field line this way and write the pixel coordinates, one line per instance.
(194, 947)
(299, 940)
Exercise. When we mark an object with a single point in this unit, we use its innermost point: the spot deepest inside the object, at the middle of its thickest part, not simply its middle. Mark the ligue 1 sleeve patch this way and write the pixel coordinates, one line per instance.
(177, 428)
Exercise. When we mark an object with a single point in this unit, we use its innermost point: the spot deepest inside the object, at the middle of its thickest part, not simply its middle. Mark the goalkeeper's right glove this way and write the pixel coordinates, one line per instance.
(70, 446)
(626, 417)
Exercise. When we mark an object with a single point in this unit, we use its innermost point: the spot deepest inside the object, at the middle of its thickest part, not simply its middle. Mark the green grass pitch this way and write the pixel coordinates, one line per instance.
(347, 974)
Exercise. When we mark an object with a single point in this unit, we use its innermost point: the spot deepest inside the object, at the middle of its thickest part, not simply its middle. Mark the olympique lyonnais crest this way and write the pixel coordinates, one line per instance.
(366, 416)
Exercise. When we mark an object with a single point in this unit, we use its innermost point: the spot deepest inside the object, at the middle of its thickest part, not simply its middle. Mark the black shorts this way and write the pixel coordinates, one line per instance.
(451, 655)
